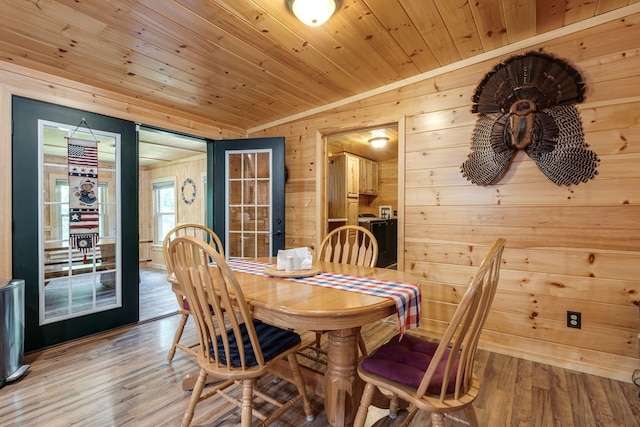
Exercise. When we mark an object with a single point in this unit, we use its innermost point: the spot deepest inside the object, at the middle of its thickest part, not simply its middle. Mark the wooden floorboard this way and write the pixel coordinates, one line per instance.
(120, 378)
(156, 297)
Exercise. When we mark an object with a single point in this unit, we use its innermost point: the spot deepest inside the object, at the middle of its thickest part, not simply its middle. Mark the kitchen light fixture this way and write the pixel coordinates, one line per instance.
(378, 141)
(312, 12)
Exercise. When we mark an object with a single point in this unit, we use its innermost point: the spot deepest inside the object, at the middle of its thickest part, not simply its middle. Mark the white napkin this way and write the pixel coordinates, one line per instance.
(302, 258)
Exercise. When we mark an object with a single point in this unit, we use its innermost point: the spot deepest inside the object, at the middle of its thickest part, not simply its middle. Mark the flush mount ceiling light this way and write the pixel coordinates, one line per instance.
(312, 12)
(379, 141)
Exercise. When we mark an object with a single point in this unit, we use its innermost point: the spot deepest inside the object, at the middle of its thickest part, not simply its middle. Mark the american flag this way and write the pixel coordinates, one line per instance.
(82, 157)
(83, 220)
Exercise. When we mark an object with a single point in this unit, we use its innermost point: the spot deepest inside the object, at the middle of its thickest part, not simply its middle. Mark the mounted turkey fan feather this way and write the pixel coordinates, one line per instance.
(526, 103)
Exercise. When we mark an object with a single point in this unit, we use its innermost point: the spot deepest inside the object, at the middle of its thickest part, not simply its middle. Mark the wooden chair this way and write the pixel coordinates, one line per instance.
(430, 376)
(349, 244)
(207, 235)
(223, 319)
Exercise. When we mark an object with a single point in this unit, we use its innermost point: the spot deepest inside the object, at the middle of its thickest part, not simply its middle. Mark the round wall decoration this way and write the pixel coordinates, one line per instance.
(188, 191)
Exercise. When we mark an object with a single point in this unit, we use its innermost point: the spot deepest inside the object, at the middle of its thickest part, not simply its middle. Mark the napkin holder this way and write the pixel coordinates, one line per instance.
(294, 259)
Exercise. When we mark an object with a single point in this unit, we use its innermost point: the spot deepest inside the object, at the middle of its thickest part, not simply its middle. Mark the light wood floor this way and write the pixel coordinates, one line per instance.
(120, 378)
(156, 297)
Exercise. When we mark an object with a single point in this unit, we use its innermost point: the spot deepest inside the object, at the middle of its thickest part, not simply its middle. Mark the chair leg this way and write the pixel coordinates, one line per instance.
(365, 402)
(470, 412)
(247, 402)
(410, 416)
(393, 406)
(195, 398)
(299, 382)
(176, 337)
(437, 419)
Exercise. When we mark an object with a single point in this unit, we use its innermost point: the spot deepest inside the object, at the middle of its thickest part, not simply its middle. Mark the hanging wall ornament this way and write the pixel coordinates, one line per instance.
(188, 191)
(83, 193)
(527, 103)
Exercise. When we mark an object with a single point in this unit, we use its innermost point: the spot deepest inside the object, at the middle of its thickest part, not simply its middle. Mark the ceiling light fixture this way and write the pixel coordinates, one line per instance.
(312, 12)
(379, 141)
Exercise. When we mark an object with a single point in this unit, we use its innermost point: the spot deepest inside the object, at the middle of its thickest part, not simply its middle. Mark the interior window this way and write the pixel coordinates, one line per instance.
(164, 195)
(62, 217)
(103, 202)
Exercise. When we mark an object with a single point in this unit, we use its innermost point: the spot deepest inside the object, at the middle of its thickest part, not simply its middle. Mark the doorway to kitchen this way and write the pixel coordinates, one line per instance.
(362, 185)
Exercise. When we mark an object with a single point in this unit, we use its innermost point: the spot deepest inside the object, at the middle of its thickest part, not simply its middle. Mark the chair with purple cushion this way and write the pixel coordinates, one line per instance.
(435, 377)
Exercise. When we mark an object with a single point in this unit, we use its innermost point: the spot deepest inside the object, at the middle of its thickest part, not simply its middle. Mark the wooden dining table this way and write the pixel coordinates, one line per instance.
(291, 304)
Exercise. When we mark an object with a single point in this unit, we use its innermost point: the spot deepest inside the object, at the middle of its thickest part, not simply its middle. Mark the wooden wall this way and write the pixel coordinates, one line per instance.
(194, 168)
(568, 248)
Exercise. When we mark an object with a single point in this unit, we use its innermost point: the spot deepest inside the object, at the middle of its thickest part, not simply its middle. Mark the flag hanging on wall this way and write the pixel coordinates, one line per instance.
(83, 197)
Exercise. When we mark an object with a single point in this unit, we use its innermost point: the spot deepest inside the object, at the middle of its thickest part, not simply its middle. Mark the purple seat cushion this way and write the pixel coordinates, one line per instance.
(406, 361)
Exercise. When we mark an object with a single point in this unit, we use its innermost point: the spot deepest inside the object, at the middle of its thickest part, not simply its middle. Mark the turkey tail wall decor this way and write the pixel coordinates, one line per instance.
(526, 103)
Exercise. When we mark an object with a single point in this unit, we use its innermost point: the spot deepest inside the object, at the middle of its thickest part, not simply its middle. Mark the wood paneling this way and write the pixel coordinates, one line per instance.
(549, 15)
(244, 64)
(568, 248)
(520, 17)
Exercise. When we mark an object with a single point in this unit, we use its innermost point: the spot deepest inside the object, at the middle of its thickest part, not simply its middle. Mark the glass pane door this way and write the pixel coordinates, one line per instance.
(78, 197)
(248, 201)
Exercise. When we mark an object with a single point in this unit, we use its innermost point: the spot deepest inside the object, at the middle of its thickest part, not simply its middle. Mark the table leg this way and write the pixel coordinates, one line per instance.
(343, 387)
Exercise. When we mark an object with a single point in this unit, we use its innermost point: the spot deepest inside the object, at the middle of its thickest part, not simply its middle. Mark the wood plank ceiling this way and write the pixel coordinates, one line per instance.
(247, 63)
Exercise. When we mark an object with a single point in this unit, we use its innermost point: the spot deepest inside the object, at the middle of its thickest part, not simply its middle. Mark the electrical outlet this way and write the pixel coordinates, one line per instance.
(574, 319)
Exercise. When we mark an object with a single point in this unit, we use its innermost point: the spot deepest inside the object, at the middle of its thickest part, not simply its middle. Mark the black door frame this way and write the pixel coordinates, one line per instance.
(25, 114)
(216, 216)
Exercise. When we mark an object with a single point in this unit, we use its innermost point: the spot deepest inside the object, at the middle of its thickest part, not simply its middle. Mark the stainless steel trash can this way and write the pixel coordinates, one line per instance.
(12, 364)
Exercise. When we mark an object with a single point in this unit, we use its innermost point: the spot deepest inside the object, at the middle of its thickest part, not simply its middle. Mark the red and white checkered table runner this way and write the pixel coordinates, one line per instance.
(405, 295)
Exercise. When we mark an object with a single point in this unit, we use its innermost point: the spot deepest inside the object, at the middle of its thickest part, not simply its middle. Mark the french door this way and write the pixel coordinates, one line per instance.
(75, 215)
(247, 195)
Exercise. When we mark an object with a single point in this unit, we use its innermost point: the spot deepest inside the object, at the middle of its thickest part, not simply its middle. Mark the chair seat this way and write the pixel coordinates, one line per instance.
(273, 341)
(405, 361)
